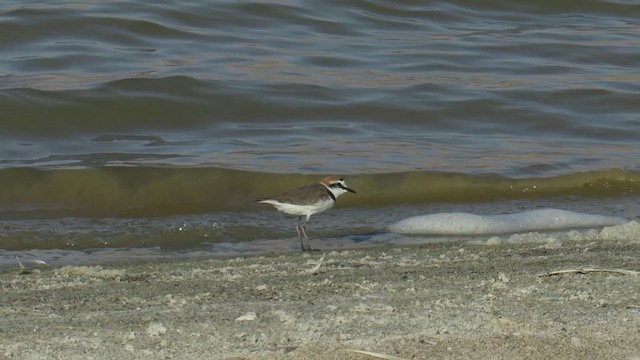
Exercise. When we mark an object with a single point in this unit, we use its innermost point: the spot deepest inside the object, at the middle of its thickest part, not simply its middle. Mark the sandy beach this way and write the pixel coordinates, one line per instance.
(435, 301)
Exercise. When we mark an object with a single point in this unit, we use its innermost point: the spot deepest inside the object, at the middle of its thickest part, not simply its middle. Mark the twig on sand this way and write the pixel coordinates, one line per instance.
(25, 271)
(22, 268)
(376, 355)
(586, 270)
(314, 270)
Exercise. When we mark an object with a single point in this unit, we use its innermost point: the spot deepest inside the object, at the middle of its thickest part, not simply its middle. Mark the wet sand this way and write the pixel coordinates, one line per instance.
(436, 301)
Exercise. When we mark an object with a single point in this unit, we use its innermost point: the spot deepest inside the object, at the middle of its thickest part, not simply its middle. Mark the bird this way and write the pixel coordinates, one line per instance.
(308, 200)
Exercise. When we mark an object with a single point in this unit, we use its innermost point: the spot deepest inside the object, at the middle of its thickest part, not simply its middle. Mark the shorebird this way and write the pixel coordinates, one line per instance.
(308, 200)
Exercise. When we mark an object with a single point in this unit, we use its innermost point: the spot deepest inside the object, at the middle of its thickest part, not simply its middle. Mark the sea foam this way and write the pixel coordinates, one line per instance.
(472, 224)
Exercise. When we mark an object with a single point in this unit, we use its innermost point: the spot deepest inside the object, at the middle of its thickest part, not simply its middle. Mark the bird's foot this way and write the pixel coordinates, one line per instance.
(305, 246)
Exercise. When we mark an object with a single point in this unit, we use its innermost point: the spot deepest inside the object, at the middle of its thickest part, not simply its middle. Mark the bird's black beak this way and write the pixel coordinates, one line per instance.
(349, 190)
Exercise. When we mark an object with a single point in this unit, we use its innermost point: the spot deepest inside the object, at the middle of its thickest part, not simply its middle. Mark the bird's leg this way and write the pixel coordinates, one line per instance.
(301, 228)
(298, 231)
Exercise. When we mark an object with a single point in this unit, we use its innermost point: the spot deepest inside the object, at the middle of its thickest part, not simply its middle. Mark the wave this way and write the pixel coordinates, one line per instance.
(162, 191)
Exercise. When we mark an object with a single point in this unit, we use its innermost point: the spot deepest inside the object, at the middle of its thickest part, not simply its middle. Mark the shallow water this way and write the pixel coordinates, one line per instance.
(156, 117)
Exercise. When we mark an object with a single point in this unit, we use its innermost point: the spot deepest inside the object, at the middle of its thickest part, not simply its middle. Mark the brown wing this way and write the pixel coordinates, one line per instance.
(304, 195)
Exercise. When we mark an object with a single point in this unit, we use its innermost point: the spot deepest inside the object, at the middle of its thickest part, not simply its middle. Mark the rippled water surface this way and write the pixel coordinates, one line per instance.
(116, 113)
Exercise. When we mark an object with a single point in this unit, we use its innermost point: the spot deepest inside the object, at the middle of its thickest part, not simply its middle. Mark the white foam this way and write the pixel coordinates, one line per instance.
(629, 231)
(472, 224)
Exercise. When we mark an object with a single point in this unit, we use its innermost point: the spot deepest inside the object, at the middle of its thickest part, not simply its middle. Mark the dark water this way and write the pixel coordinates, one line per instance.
(134, 129)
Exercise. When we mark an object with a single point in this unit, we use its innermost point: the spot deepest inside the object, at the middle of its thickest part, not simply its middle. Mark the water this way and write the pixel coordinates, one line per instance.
(145, 130)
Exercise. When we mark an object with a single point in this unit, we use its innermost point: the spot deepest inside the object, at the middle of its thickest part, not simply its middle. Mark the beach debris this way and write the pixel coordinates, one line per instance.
(97, 272)
(24, 270)
(316, 269)
(576, 342)
(376, 355)
(156, 329)
(284, 316)
(586, 270)
(250, 316)
(361, 287)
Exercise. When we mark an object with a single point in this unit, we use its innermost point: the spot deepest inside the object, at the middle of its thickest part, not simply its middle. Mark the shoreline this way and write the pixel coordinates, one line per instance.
(437, 300)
